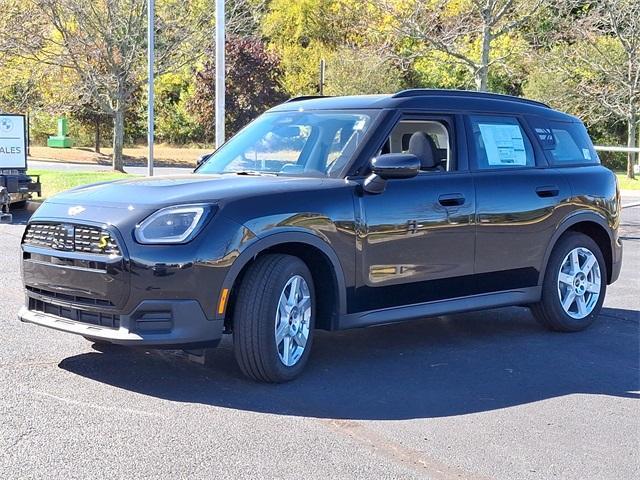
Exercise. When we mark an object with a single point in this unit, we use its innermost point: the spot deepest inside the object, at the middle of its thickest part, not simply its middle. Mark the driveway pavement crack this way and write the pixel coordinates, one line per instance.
(398, 453)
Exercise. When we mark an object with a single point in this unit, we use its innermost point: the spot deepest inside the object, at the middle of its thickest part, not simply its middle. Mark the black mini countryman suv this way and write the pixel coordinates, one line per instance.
(335, 213)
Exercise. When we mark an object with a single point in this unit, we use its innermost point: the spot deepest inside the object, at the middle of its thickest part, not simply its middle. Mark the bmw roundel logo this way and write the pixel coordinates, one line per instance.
(6, 125)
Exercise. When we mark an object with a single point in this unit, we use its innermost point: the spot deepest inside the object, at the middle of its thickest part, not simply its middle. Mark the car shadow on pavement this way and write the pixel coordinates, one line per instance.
(438, 367)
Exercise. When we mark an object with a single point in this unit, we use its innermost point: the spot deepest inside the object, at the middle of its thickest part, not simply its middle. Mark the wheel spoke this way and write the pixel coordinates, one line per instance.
(300, 339)
(582, 305)
(568, 300)
(283, 307)
(575, 262)
(588, 265)
(293, 292)
(592, 287)
(565, 278)
(304, 305)
(286, 350)
(281, 331)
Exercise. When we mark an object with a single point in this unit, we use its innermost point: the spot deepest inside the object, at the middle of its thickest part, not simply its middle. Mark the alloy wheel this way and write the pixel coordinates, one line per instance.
(292, 320)
(579, 282)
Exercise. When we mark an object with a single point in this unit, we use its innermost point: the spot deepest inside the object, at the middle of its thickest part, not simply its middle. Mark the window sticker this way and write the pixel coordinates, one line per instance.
(504, 144)
(586, 154)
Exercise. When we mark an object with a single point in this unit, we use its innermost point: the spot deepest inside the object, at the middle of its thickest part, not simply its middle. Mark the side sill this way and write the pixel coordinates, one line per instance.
(522, 296)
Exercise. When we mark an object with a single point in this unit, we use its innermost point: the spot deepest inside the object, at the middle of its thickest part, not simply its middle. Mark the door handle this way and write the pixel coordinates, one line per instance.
(451, 200)
(548, 191)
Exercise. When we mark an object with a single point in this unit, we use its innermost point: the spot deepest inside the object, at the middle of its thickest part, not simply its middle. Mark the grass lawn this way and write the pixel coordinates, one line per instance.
(164, 155)
(627, 183)
(58, 181)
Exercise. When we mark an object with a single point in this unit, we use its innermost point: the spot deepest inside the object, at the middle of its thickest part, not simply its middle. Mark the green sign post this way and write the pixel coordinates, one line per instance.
(61, 140)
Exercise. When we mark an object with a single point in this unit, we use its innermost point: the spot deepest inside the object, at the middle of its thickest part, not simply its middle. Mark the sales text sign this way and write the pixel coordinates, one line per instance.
(13, 141)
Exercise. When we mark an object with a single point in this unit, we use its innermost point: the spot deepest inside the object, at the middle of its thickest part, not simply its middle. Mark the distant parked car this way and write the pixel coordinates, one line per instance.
(336, 213)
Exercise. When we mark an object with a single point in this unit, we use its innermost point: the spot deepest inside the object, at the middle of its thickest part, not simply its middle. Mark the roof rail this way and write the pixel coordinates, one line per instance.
(304, 97)
(425, 92)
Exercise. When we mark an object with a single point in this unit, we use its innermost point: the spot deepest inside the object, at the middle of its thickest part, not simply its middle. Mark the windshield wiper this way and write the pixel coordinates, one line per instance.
(255, 173)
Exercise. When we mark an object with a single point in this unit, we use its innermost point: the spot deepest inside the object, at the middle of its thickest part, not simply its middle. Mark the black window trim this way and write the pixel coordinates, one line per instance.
(546, 152)
(539, 158)
(452, 122)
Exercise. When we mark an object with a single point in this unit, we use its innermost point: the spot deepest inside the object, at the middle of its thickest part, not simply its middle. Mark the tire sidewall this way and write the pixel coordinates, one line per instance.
(550, 296)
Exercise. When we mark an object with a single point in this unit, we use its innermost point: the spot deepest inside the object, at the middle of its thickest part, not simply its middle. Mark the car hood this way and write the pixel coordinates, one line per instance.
(171, 190)
(128, 201)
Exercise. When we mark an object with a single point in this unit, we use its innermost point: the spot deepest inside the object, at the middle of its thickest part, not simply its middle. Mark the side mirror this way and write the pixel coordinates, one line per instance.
(202, 159)
(389, 166)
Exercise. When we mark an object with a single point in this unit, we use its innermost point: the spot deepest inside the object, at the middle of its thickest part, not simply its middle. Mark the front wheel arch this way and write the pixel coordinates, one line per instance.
(320, 258)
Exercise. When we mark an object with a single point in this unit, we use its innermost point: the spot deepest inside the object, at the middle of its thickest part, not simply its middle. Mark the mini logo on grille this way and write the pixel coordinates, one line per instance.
(75, 210)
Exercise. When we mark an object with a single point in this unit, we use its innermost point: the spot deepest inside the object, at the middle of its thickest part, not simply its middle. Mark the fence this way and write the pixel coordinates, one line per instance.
(604, 148)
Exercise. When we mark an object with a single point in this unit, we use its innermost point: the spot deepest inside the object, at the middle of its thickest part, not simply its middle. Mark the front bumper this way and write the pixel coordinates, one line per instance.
(616, 260)
(145, 295)
(176, 323)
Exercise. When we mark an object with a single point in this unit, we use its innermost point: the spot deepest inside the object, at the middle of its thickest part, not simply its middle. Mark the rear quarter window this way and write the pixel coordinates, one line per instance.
(564, 143)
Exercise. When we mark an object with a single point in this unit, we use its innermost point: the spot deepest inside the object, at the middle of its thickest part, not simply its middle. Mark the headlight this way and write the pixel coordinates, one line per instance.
(177, 224)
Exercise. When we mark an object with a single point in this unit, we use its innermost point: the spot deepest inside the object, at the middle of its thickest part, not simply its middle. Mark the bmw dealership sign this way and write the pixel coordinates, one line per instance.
(13, 141)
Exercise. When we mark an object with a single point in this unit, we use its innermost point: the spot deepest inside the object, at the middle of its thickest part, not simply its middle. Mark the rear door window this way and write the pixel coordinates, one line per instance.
(500, 142)
(564, 143)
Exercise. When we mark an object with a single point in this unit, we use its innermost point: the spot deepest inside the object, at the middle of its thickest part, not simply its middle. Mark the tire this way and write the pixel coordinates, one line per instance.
(259, 312)
(579, 315)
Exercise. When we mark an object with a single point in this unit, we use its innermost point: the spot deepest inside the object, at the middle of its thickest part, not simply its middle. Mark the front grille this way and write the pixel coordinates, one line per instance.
(98, 302)
(71, 238)
(93, 318)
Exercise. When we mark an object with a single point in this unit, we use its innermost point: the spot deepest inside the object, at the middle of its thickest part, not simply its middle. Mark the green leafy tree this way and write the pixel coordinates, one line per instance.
(473, 35)
(297, 31)
(175, 123)
(374, 75)
(594, 68)
(102, 43)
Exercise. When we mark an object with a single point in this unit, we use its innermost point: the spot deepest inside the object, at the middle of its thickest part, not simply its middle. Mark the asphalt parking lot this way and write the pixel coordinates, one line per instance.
(479, 395)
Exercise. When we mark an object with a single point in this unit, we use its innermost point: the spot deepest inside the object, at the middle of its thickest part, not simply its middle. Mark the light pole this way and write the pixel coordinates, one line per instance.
(220, 44)
(321, 79)
(150, 66)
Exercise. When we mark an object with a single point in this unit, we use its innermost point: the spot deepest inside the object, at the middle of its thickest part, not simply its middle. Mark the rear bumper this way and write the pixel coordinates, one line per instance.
(175, 323)
(20, 185)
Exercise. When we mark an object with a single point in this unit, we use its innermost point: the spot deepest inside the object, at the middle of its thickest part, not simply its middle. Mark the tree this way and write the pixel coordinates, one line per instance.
(175, 123)
(594, 68)
(375, 75)
(91, 115)
(103, 43)
(252, 85)
(465, 31)
(299, 32)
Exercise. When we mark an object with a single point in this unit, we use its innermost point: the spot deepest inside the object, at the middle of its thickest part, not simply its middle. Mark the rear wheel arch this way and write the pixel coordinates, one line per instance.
(573, 290)
(590, 224)
(319, 257)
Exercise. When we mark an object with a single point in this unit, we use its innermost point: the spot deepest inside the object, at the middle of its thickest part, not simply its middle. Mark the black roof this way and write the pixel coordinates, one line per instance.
(427, 99)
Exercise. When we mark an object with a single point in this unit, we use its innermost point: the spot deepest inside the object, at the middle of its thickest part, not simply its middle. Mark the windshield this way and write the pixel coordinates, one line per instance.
(314, 143)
